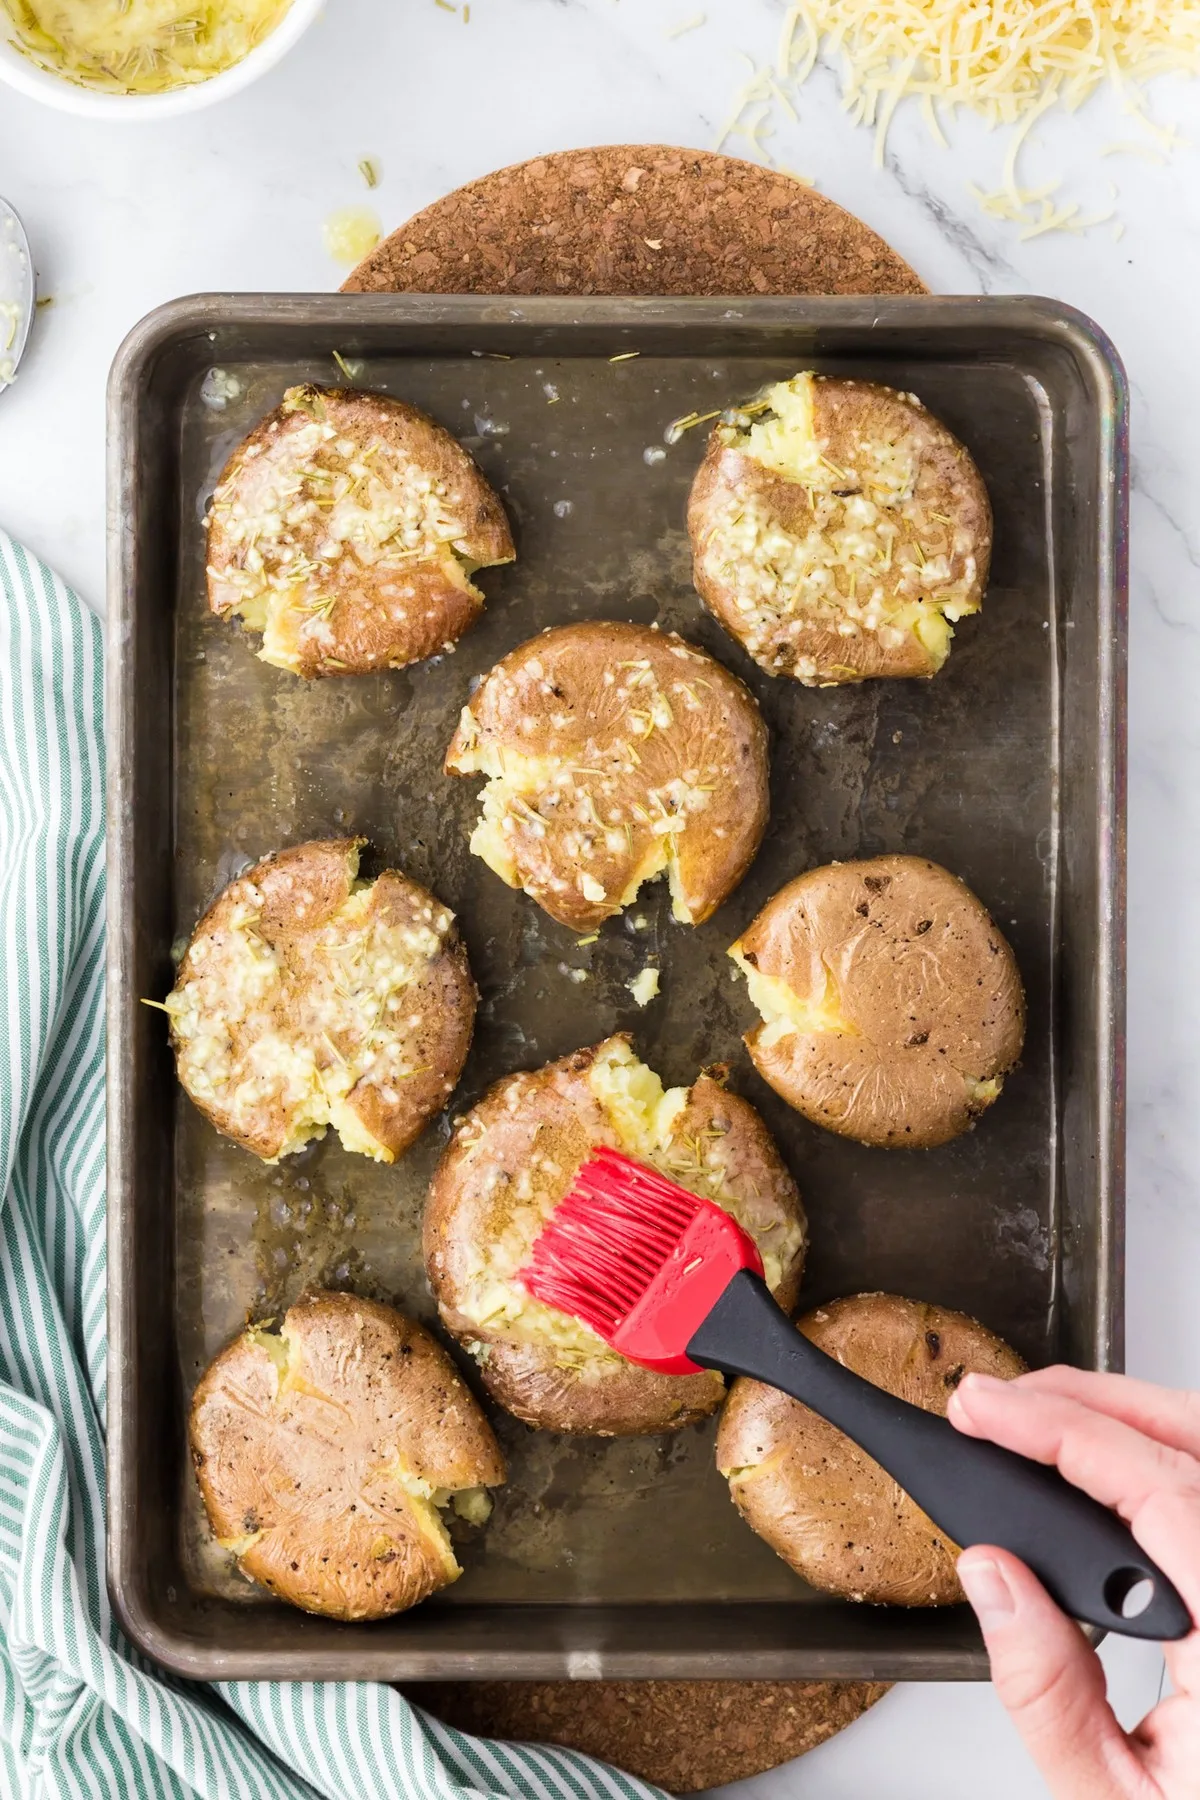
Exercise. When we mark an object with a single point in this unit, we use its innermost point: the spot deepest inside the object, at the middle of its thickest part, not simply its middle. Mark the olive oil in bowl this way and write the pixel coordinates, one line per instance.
(140, 46)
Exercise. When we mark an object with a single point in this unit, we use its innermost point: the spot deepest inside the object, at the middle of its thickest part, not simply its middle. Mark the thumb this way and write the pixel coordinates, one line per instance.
(1049, 1680)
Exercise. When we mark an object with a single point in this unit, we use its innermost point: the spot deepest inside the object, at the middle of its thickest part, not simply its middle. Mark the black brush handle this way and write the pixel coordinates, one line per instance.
(977, 1493)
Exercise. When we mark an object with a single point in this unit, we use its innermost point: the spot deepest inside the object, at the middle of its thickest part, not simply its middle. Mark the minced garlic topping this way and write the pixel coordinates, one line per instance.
(867, 557)
(289, 1030)
(646, 1119)
(302, 515)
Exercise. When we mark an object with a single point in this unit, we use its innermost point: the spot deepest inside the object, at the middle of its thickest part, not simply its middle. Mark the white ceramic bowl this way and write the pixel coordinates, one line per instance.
(20, 72)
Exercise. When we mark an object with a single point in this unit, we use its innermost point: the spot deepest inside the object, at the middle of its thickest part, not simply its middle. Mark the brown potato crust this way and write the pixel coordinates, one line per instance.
(281, 984)
(311, 1449)
(348, 524)
(918, 1006)
(621, 750)
(811, 573)
(824, 1505)
(510, 1162)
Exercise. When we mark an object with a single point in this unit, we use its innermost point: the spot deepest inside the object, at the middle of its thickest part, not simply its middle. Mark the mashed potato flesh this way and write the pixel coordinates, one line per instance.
(645, 986)
(785, 1013)
(985, 1091)
(786, 440)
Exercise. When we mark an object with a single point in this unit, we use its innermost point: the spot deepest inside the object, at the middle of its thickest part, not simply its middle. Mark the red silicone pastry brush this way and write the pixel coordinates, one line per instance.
(673, 1282)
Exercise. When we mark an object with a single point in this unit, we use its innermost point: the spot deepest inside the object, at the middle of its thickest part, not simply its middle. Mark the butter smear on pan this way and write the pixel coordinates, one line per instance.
(141, 46)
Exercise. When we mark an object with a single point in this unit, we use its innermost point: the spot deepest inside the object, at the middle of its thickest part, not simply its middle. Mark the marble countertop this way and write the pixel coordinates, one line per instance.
(123, 217)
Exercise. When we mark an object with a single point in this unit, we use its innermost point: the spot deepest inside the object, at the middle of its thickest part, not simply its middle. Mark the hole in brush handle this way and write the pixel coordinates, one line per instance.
(976, 1492)
(1130, 1592)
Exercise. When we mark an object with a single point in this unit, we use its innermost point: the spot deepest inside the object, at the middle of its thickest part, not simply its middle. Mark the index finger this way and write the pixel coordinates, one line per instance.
(1155, 1489)
(1168, 1414)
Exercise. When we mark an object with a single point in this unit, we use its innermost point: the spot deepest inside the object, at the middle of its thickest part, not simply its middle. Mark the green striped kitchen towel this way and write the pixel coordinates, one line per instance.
(81, 1714)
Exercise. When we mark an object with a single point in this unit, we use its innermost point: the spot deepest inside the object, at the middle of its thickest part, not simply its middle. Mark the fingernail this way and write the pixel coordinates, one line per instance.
(970, 1385)
(981, 1384)
(986, 1587)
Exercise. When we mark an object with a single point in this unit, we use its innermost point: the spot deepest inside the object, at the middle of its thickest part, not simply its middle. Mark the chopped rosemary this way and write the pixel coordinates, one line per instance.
(677, 427)
(740, 416)
(320, 606)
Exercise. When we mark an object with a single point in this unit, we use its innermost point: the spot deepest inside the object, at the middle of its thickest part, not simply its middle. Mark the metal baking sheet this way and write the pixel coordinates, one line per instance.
(621, 1557)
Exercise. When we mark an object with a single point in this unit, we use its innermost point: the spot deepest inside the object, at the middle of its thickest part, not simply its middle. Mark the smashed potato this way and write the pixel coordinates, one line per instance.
(510, 1162)
(308, 998)
(839, 531)
(891, 1005)
(346, 529)
(824, 1505)
(327, 1450)
(614, 754)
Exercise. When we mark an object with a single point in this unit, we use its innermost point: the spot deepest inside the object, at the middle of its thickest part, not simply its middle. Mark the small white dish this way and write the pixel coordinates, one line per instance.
(19, 71)
(18, 293)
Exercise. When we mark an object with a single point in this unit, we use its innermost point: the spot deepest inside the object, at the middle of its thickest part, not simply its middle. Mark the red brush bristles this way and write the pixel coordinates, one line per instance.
(608, 1239)
(638, 1258)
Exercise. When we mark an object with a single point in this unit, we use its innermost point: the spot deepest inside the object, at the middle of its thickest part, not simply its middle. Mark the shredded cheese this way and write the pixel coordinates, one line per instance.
(997, 57)
(1010, 61)
(749, 116)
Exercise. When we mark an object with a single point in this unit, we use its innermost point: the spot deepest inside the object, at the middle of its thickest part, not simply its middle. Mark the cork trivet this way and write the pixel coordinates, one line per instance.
(643, 219)
(683, 1735)
(634, 219)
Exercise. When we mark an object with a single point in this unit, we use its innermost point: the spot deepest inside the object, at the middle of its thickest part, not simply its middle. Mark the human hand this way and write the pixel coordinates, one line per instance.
(1135, 1448)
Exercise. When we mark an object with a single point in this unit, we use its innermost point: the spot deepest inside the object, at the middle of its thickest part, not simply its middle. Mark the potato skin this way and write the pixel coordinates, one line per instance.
(568, 695)
(298, 892)
(553, 1113)
(949, 513)
(824, 1505)
(351, 615)
(307, 1460)
(928, 987)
